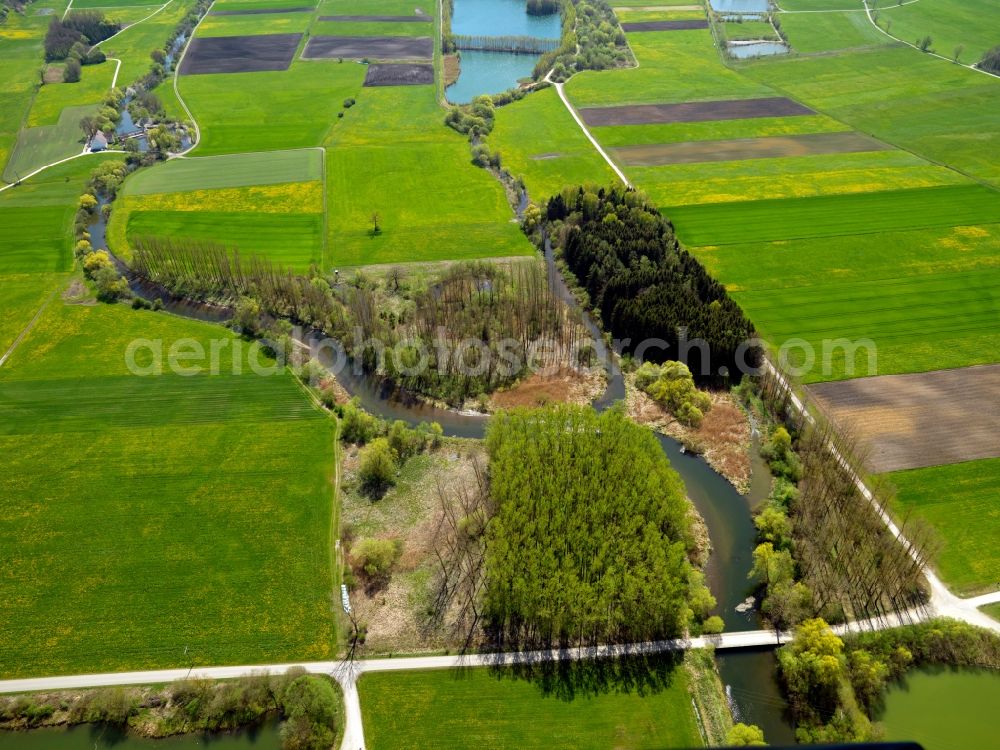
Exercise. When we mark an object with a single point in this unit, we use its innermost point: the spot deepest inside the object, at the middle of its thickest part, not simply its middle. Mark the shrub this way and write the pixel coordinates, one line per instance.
(71, 73)
(378, 467)
(743, 735)
(357, 425)
(376, 557)
(672, 385)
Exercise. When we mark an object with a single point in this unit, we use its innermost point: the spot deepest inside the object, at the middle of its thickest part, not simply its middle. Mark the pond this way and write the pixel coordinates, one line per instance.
(944, 709)
(741, 6)
(103, 737)
(747, 50)
(488, 73)
(493, 72)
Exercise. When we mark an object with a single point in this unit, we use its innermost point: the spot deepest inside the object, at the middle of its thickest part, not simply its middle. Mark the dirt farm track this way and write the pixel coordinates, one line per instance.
(924, 419)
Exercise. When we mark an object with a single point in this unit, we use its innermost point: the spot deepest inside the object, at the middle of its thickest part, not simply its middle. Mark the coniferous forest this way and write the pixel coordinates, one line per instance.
(645, 285)
(591, 534)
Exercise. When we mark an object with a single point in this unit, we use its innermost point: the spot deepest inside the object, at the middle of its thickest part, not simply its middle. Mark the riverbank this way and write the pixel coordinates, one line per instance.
(723, 437)
(310, 706)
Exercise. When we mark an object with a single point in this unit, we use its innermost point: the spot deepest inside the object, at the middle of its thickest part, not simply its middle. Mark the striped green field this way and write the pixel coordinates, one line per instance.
(824, 32)
(294, 240)
(967, 26)
(160, 519)
(924, 297)
(959, 501)
(235, 170)
(835, 215)
(480, 708)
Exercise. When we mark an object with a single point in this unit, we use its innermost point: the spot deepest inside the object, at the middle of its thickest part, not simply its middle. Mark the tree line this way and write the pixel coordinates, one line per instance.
(308, 705)
(824, 549)
(645, 286)
(527, 45)
(591, 536)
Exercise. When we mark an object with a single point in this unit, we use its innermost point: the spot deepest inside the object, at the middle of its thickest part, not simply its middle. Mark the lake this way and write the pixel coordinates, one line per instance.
(944, 709)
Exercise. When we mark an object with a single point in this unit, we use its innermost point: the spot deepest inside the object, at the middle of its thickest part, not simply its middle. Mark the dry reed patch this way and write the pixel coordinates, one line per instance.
(723, 437)
(397, 613)
(567, 386)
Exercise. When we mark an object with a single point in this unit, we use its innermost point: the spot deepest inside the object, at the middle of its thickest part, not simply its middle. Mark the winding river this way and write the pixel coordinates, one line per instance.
(749, 675)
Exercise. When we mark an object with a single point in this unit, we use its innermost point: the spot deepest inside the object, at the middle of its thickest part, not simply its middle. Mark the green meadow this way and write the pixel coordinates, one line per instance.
(810, 33)
(45, 144)
(479, 708)
(20, 64)
(674, 66)
(539, 141)
(959, 501)
(273, 110)
(393, 156)
(159, 520)
(951, 24)
(235, 170)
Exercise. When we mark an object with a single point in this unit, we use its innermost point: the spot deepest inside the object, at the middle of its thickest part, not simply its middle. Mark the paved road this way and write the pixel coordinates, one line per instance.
(347, 673)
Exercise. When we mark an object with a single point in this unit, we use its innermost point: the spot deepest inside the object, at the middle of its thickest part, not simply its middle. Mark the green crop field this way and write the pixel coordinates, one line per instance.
(37, 217)
(105, 4)
(230, 5)
(236, 170)
(161, 520)
(928, 106)
(748, 30)
(35, 244)
(478, 708)
(833, 215)
(972, 25)
(277, 23)
(788, 177)
(959, 501)
(273, 110)
(53, 98)
(924, 297)
(680, 132)
(539, 141)
(293, 240)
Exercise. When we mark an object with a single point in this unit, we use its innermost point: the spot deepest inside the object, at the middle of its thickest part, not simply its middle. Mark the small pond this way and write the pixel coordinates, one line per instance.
(103, 737)
(740, 6)
(502, 18)
(493, 72)
(944, 709)
(747, 50)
